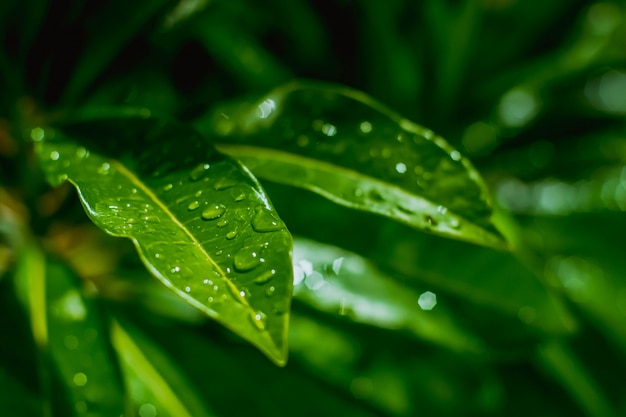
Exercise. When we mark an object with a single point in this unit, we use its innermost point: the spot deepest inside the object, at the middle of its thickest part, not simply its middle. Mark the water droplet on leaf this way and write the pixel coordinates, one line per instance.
(259, 319)
(199, 171)
(265, 277)
(265, 221)
(231, 235)
(213, 212)
(247, 258)
(193, 205)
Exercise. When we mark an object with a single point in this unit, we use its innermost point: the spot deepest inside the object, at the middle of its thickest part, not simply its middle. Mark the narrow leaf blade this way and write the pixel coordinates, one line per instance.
(200, 221)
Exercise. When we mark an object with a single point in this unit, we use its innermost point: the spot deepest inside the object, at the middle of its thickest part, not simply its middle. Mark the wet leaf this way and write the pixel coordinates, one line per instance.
(200, 221)
(343, 145)
(341, 282)
(156, 387)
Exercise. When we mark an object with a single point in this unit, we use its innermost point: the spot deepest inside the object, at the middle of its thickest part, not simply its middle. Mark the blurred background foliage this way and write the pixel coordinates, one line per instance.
(386, 321)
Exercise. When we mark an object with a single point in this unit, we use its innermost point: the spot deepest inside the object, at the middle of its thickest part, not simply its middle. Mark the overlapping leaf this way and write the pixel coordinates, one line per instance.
(348, 148)
(199, 220)
(341, 282)
(155, 386)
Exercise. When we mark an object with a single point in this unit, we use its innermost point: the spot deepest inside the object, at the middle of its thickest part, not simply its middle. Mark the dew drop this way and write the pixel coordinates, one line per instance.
(247, 258)
(329, 129)
(193, 205)
(133, 191)
(442, 209)
(219, 252)
(152, 219)
(265, 221)
(198, 193)
(455, 223)
(222, 223)
(265, 277)
(259, 320)
(400, 168)
(104, 168)
(240, 197)
(168, 187)
(187, 289)
(224, 183)
(37, 134)
(231, 235)
(80, 379)
(175, 269)
(81, 153)
(213, 212)
(198, 172)
(54, 155)
(270, 291)
(455, 155)
(366, 127)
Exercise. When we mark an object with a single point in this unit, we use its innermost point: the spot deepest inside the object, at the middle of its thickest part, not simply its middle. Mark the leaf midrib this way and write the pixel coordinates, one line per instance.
(141, 185)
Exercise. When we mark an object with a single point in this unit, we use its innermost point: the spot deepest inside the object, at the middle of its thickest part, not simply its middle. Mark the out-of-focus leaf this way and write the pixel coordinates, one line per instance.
(341, 144)
(78, 344)
(234, 381)
(105, 43)
(559, 362)
(485, 279)
(401, 378)
(239, 52)
(200, 221)
(583, 256)
(340, 282)
(156, 387)
(15, 399)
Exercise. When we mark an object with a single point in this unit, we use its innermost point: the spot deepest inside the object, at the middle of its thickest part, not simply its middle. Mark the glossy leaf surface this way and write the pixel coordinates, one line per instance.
(343, 145)
(340, 282)
(199, 220)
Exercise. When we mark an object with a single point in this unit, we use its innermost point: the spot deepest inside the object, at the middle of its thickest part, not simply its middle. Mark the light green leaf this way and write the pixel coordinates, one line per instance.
(155, 386)
(340, 282)
(200, 221)
(343, 145)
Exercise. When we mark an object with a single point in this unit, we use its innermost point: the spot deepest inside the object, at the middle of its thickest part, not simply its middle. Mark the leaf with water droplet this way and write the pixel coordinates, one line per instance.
(340, 282)
(185, 237)
(402, 171)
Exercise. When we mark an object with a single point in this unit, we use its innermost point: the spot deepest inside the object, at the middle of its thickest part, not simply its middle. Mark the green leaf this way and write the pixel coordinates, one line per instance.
(79, 347)
(156, 387)
(559, 361)
(343, 145)
(340, 282)
(200, 221)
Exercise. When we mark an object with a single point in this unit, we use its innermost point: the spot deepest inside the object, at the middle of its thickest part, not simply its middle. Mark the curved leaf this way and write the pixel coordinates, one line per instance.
(343, 145)
(341, 282)
(200, 221)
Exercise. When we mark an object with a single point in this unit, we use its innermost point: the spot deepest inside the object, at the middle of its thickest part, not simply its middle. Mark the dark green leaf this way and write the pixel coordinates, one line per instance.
(200, 221)
(560, 363)
(348, 148)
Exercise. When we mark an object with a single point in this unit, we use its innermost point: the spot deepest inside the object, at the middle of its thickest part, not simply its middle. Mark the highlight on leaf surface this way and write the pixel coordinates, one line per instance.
(199, 220)
(340, 143)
